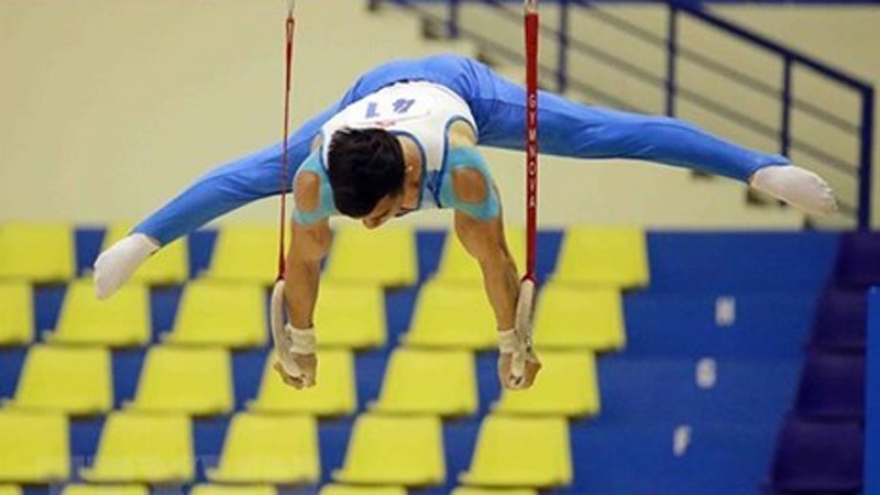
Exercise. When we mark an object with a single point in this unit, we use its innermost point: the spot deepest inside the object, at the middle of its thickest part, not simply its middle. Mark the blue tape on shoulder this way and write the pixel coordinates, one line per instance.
(468, 157)
(326, 208)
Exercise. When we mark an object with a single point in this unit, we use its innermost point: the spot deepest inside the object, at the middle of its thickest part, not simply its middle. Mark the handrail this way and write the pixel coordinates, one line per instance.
(789, 101)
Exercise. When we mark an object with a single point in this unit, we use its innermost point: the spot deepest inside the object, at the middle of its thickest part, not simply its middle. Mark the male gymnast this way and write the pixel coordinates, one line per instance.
(404, 138)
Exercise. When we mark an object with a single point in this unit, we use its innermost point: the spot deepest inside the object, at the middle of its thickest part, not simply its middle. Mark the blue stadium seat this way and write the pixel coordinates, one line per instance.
(643, 390)
(670, 457)
(683, 324)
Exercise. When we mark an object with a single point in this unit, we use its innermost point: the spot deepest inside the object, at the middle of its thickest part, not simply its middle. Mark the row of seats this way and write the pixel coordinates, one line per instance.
(141, 447)
(352, 316)
(218, 489)
(199, 381)
(614, 257)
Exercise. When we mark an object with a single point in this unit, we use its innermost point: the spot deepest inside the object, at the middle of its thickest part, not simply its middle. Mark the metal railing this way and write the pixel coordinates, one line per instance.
(858, 171)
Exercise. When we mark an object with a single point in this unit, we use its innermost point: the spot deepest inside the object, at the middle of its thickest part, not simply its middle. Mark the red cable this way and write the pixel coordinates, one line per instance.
(531, 32)
(291, 26)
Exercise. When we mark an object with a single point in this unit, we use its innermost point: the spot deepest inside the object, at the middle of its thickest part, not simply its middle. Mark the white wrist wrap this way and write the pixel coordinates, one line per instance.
(303, 341)
(508, 341)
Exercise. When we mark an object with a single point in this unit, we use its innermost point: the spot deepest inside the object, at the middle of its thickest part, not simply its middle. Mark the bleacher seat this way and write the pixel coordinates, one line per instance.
(137, 447)
(832, 386)
(737, 391)
(195, 381)
(457, 265)
(435, 382)
(452, 316)
(334, 395)
(105, 490)
(334, 489)
(42, 253)
(604, 257)
(569, 317)
(16, 313)
(71, 380)
(245, 254)
(473, 490)
(225, 314)
(120, 321)
(670, 454)
(814, 456)
(278, 449)
(212, 489)
(858, 260)
(167, 266)
(14, 490)
(215, 489)
(841, 317)
(34, 446)
(521, 452)
(567, 386)
(350, 316)
(394, 450)
(385, 257)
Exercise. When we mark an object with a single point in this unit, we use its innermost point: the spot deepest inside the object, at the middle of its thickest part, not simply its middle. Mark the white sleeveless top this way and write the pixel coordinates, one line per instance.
(420, 110)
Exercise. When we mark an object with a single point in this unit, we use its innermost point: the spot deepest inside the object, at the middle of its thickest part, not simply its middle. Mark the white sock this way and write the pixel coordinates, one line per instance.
(115, 265)
(796, 186)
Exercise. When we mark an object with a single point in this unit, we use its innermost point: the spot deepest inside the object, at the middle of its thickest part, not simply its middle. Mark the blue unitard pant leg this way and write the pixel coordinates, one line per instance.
(566, 129)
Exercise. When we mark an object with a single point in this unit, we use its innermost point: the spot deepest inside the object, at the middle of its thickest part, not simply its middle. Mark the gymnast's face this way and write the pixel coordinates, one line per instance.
(387, 208)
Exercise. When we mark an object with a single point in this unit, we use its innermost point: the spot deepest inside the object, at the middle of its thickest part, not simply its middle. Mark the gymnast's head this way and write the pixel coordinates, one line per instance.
(366, 169)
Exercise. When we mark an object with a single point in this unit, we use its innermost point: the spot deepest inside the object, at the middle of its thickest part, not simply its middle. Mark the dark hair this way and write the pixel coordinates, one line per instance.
(364, 166)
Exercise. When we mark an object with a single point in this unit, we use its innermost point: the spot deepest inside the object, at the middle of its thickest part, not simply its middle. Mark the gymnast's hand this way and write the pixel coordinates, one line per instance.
(307, 365)
(518, 365)
(116, 265)
(296, 362)
(522, 380)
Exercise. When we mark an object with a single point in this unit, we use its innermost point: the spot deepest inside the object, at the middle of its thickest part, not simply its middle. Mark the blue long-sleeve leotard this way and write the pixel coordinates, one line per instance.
(567, 129)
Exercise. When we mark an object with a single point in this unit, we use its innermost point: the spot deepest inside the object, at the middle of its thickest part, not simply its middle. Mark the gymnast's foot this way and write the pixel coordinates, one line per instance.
(796, 186)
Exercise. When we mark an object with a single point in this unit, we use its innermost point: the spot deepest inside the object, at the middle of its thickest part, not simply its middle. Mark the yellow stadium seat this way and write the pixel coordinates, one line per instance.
(143, 448)
(473, 490)
(334, 395)
(567, 386)
(226, 314)
(121, 321)
(457, 265)
(168, 266)
(569, 317)
(34, 447)
(211, 489)
(196, 381)
(14, 490)
(245, 254)
(606, 257)
(429, 382)
(72, 380)
(36, 252)
(452, 315)
(16, 313)
(394, 450)
(386, 256)
(274, 449)
(351, 316)
(105, 490)
(521, 452)
(334, 489)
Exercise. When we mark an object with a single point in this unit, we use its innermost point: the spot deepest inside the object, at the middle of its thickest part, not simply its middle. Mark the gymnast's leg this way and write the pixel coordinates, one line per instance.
(575, 130)
(220, 191)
